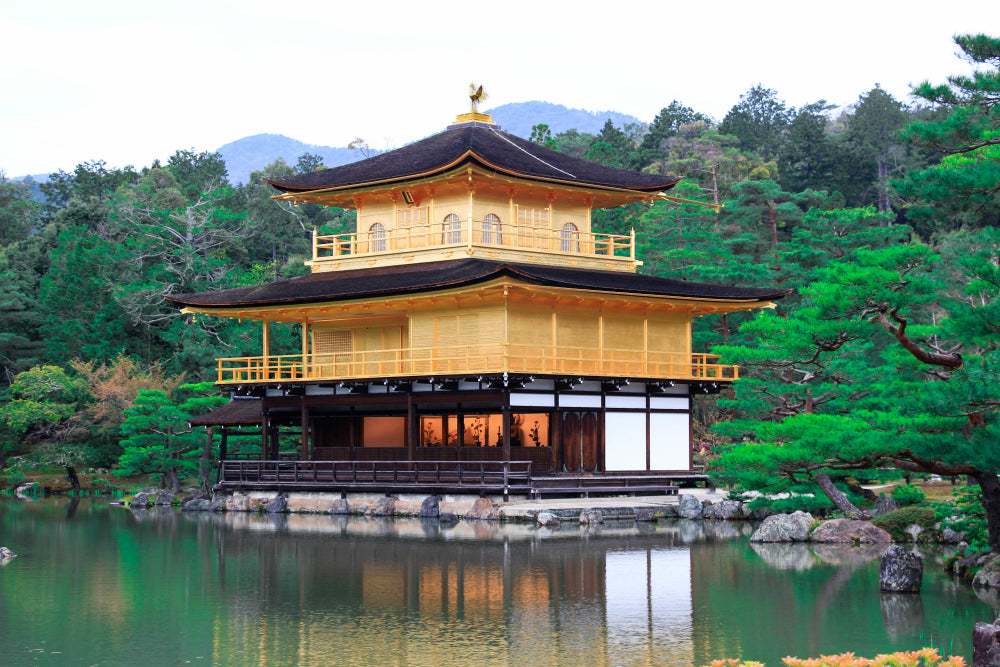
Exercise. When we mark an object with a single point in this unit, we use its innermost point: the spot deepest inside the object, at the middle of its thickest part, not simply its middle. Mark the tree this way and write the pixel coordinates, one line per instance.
(156, 437)
(541, 134)
(197, 173)
(666, 124)
(758, 120)
(42, 397)
(872, 136)
(965, 187)
(809, 157)
(20, 215)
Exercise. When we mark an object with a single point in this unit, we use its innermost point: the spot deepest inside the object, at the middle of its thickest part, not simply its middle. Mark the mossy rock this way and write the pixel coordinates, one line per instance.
(896, 522)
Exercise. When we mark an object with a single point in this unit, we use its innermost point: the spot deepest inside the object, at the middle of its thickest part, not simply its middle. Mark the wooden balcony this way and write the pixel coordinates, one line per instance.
(478, 238)
(477, 359)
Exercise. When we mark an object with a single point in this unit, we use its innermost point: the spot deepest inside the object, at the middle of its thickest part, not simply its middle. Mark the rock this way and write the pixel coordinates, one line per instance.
(141, 499)
(989, 576)
(689, 507)
(6, 554)
(900, 571)
(164, 497)
(340, 507)
(385, 506)
(669, 511)
(277, 505)
(949, 536)
(483, 510)
(762, 513)
(644, 514)
(963, 566)
(884, 504)
(447, 519)
(961, 548)
(430, 508)
(197, 505)
(240, 502)
(591, 517)
(28, 488)
(725, 510)
(985, 645)
(793, 527)
(548, 519)
(913, 530)
(218, 504)
(849, 531)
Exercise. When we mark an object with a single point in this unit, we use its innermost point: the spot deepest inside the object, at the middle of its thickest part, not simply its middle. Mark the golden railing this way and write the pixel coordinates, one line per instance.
(497, 358)
(475, 233)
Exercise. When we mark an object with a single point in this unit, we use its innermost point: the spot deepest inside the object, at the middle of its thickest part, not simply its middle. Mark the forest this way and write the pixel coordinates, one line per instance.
(884, 217)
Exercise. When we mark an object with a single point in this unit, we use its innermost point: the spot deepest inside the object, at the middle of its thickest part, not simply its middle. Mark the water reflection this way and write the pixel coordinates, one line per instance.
(257, 589)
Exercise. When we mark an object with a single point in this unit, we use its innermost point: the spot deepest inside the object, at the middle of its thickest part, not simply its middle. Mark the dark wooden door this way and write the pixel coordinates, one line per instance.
(580, 441)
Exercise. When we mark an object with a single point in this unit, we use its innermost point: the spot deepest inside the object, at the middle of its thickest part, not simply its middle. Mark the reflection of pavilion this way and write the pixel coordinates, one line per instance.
(360, 600)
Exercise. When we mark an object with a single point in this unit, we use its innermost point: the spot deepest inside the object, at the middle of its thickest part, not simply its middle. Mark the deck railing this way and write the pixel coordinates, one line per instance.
(499, 358)
(475, 233)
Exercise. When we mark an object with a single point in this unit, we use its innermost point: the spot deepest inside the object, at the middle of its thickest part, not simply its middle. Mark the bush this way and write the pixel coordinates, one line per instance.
(15, 478)
(818, 505)
(895, 523)
(907, 494)
(966, 515)
(925, 657)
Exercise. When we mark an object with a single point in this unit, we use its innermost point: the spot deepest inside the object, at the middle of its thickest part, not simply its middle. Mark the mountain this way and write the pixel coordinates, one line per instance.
(254, 153)
(519, 117)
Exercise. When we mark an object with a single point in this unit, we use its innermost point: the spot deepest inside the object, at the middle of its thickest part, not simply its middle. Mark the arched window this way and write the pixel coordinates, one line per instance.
(452, 229)
(491, 229)
(567, 235)
(376, 235)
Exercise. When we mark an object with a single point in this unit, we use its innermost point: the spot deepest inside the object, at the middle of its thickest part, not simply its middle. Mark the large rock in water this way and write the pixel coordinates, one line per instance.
(483, 510)
(724, 509)
(140, 499)
(340, 507)
(900, 571)
(277, 505)
(848, 531)
(430, 508)
(985, 645)
(6, 554)
(385, 506)
(197, 505)
(792, 527)
(689, 507)
(989, 576)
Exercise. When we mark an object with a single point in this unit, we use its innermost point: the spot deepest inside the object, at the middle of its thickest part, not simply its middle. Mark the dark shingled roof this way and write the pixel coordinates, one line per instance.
(237, 412)
(484, 145)
(432, 276)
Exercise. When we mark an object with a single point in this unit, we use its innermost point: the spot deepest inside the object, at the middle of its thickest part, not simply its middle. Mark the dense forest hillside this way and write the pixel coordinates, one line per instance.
(884, 217)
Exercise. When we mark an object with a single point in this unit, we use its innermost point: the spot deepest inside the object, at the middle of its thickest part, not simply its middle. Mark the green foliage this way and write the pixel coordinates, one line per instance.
(896, 522)
(817, 505)
(966, 514)
(908, 494)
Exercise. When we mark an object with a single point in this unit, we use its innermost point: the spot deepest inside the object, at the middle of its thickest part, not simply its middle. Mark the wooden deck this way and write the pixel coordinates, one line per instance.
(474, 477)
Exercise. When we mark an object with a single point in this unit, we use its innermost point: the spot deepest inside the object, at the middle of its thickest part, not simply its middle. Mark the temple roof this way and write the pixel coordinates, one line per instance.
(429, 277)
(480, 144)
(237, 412)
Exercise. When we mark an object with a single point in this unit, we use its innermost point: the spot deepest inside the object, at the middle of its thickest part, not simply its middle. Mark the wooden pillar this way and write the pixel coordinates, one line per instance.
(304, 454)
(412, 433)
(264, 433)
(506, 426)
(223, 443)
(266, 349)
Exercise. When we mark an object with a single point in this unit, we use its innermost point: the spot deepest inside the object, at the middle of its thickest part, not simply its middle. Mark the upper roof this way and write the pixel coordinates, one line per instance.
(481, 144)
(416, 278)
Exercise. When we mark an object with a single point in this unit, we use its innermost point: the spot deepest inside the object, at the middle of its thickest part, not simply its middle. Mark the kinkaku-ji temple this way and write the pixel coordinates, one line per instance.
(473, 334)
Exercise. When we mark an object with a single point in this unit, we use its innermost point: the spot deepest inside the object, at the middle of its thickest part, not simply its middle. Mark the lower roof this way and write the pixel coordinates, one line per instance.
(237, 412)
(422, 278)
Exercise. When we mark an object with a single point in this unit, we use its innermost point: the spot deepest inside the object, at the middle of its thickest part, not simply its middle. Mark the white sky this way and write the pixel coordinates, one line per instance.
(129, 81)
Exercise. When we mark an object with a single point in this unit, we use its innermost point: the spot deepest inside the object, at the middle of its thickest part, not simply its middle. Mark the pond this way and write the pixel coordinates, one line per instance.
(100, 585)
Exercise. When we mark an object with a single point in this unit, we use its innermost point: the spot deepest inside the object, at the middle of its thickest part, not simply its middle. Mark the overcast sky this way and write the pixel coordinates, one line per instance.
(130, 81)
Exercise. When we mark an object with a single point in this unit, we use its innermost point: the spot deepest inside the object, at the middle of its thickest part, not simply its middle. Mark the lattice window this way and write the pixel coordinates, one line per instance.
(569, 238)
(376, 233)
(452, 229)
(491, 229)
(333, 342)
(411, 217)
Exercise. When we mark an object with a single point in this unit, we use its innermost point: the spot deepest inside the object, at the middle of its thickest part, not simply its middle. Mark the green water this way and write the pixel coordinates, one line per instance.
(98, 585)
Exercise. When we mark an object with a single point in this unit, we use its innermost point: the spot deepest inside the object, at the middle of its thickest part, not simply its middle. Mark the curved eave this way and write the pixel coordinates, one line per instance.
(471, 156)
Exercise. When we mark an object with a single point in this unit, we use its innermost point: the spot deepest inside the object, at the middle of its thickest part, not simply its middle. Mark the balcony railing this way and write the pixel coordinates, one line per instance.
(472, 233)
(415, 362)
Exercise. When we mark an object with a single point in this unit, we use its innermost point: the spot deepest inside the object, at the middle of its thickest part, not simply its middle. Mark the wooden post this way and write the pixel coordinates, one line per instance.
(506, 426)
(411, 429)
(266, 349)
(304, 440)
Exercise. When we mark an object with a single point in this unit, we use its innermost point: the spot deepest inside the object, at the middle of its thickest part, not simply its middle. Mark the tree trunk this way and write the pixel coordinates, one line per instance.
(990, 486)
(171, 480)
(838, 498)
(73, 479)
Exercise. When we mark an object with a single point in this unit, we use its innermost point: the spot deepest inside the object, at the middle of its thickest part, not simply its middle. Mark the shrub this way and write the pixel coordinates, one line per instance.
(925, 657)
(966, 515)
(816, 505)
(895, 522)
(907, 494)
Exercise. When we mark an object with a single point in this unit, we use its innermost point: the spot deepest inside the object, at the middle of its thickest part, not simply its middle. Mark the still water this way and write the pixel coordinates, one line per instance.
(98, 585)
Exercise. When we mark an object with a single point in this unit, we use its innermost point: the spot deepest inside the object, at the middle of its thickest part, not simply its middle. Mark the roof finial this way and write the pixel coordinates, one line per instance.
(476, 95)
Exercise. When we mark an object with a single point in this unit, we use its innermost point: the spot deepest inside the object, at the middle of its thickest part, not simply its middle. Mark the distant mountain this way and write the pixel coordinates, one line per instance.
(519, 117)
(254, 153)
